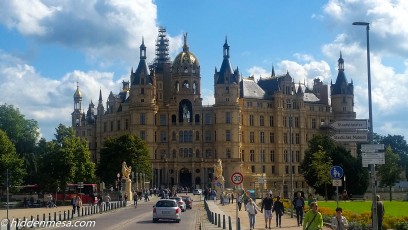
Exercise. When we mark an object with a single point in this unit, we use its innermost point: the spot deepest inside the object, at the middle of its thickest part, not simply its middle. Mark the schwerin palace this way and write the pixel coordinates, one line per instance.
(252, 126)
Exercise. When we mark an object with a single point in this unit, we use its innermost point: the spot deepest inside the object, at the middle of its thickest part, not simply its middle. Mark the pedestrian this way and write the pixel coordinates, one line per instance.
(339, 222)
(126, 198)
(299, 204)
(380, 212)
(245, 198)
(73, 203)
(239, 201)
(267, 204)
(279, 209)
(232, 198)
(252, 210)
(135, 199)
(107, 200)
(78, 203)
(100, 203)
(313, 219)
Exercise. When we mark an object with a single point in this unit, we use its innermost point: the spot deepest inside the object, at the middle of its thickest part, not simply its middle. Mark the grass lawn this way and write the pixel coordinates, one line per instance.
(392, 208)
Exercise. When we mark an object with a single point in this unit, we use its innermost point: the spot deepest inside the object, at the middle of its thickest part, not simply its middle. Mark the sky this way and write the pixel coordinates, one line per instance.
(47, 46)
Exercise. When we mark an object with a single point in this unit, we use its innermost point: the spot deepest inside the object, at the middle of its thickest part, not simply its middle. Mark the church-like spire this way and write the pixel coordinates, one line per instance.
(142, 50)
(226, 48)
(185, 46)
(273, 71)
(341, 63)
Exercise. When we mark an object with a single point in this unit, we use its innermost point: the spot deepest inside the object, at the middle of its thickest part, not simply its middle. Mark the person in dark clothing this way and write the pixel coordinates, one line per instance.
(380, 212)
(267, 204)
(279, 209)
(299, 204)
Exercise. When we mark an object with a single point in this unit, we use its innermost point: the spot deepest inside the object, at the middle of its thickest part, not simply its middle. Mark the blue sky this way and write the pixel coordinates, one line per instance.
(46, 46)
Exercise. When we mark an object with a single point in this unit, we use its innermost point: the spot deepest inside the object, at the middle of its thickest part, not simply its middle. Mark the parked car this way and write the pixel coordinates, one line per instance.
(166, 209)
(197, 191)
(180, 203)
(188, 201)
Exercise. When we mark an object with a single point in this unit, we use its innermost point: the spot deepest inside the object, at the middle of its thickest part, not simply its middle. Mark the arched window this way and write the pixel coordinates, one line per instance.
(186, 84)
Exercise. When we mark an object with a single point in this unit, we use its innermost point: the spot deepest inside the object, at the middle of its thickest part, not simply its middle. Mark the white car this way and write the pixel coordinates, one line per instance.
(197, 191)
(166, 209)
(180, 203)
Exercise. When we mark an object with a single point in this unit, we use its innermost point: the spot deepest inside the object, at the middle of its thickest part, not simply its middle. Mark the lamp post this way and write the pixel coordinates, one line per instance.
(370, 120)
(291, 156)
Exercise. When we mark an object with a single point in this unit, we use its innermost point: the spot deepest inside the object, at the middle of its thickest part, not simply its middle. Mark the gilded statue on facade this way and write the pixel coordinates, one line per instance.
(126, 170)
(218, 169)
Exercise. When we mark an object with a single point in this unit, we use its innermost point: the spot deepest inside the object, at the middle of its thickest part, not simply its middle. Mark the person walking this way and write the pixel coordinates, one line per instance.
(339, 222)
(135, 199)
(279, 209)
(107, 201)
(252, 210)
(267, 204)
(299, 204)
(380, 212)
(313, 219)
(78, 204)
(73, 203)
(232, 198)
(239, 201)
(126, 198)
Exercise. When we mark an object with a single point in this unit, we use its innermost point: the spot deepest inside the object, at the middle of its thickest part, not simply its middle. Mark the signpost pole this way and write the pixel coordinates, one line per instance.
(237, 178)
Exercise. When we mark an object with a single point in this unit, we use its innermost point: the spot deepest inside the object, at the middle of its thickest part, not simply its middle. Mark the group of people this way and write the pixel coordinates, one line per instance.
(312, 220)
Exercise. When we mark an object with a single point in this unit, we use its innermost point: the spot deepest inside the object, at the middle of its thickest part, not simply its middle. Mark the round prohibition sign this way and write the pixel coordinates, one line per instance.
(237, 178)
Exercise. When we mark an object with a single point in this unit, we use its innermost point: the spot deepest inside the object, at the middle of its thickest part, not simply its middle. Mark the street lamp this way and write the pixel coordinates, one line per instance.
(290, 154)
(370, 120)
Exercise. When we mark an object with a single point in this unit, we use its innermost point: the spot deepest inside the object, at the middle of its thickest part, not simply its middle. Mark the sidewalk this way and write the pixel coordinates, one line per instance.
(230, 210)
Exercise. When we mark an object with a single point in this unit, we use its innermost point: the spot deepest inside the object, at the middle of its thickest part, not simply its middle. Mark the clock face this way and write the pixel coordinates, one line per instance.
(185, 57)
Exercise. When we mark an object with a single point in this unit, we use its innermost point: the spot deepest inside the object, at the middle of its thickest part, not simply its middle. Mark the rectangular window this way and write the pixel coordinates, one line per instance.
(163, 119)
(272, 156)
(111, 126)
(163, 137)
(263, 168)
(273, 169)
(126, 124)
(314, 123)
(296, 122)
(261, 121)
(270, 121)
(262, 137)
(251, 120)
(142, 119)
(143, 135)
(285, 138)
(228, 135)
(297, 156)
(251, 137)
(118, 125)
(253, 168)
(252, 155)
(287, 169)
(207, 118)
(297, 138)
(105, 126)
(284, 121)
(285, 156)
(271, 138)
(228, 117)
(207, 136)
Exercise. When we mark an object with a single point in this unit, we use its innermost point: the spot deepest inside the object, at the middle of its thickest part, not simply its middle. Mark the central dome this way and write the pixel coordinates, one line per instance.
(185, 60)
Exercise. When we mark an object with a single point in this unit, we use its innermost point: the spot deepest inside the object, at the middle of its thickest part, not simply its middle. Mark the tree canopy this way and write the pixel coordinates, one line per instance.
(389, 172)
(356, 175)
(128, 148)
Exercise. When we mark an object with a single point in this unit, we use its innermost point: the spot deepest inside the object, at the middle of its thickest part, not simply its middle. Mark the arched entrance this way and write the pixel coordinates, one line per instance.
(185, 178)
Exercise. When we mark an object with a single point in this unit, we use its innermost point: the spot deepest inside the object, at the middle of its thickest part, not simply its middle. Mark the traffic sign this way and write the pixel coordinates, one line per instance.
(350, 124)
(336, 172)
(80, 184)
(337, 182)
(372, 148)
(373, 155)
(350, 137)
(373, 161)
(237, 178)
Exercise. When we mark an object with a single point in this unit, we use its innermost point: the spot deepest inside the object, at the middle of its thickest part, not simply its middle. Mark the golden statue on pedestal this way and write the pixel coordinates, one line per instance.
(126, 171)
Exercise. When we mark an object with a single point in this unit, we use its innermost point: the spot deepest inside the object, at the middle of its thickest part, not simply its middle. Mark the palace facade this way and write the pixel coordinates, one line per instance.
(254, 127)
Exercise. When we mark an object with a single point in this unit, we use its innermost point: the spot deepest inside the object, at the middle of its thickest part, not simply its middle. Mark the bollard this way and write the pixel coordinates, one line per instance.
(16, 225)
(59, 216)
(31, 219)
(216, 219)
(212, 218)
(219, 220)
(229, 223)
(65, 215)
(55, 216)
(43, 216)
(49, 216)
(38, 217)
(239, 224)
(223, 221)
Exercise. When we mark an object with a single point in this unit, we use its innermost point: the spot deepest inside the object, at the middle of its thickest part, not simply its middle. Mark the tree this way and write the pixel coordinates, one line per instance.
(128, 148)
(23, 133)
(389, 172)
(356, 184)
(398, 146)
(321, 164)
(10, 160)
(66, 159)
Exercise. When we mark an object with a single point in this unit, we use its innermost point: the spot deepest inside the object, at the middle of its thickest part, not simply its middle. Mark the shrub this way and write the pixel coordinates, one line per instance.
(401, 225)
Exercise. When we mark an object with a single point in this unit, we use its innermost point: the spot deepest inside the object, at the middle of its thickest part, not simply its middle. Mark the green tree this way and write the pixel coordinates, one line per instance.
(321, 164)
(10, 160)
(128, 148)
(398, 146)
(66, 159)
(389, 172)
(357, 180)
(23, 133)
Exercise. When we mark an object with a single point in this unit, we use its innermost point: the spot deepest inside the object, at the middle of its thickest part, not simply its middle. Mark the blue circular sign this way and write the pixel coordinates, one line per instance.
(336, 172)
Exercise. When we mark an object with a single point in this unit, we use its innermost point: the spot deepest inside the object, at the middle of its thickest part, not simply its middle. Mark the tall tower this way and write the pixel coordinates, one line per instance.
(342, 95)
(76, 115)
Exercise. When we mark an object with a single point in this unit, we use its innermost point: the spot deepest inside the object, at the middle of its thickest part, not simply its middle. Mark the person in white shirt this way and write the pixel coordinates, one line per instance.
(339, 222)
(252, 210)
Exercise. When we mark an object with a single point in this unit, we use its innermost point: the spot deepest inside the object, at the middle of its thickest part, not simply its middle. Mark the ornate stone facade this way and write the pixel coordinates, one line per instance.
(252, 126)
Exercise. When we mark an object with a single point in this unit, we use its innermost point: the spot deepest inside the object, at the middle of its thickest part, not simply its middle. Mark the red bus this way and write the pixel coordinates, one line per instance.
(88, 192)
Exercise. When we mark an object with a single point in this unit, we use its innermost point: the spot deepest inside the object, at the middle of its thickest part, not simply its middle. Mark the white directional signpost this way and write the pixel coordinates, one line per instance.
(372, 154)
(349, 130)
(237, 178)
